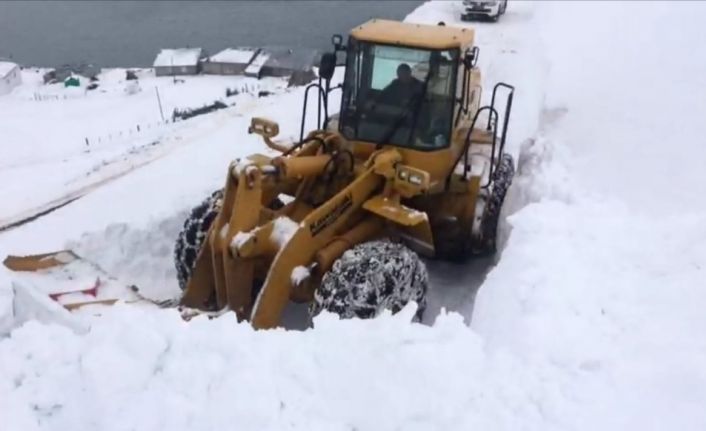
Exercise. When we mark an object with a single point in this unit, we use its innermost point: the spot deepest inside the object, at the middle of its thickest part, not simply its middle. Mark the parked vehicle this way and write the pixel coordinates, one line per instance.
(483, 9)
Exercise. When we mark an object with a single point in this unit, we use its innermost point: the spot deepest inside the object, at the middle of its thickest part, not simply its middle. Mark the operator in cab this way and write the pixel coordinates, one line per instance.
(402, 89)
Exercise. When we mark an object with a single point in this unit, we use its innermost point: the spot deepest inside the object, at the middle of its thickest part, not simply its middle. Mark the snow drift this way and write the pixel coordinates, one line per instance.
(592, 318)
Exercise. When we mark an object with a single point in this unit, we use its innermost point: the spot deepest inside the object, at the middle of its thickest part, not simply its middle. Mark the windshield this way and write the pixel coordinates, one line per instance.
(398, 95)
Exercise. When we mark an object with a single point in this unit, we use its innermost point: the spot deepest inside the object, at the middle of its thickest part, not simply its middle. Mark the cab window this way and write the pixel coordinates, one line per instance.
(398, 95)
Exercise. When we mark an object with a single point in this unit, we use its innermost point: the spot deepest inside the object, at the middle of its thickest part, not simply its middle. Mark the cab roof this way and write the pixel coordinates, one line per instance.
(414, 35)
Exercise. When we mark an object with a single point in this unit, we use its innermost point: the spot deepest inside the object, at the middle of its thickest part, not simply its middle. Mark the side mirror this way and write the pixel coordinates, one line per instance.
(327, 65)
(470, 57)
(337, 41)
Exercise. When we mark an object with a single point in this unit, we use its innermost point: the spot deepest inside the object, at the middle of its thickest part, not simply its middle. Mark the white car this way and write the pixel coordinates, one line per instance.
(475, 9)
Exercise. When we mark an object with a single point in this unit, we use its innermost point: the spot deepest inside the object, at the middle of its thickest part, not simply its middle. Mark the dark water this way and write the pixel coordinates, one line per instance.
(129, 33)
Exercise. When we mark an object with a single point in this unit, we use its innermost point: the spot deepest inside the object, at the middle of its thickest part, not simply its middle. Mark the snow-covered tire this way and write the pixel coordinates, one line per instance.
(371, 277)
(454, 244)
(502, 178)
(192, 236)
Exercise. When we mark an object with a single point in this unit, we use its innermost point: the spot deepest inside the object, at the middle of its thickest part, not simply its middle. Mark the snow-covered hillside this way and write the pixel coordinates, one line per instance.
(591, 319)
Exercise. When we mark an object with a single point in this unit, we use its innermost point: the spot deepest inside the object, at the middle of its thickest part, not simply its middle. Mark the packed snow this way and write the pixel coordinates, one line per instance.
(299, 274)
(238, 240)
(63, 142)
(283, 228)
(591, 318)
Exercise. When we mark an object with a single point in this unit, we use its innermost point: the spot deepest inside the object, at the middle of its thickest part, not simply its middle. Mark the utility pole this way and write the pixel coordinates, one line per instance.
(159, 101)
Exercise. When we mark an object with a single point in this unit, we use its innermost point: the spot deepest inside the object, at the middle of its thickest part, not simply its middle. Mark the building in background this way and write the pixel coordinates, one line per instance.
(286, 61)
(230, 61)
(180, 61)
(66, 71)
(10, 76)
(282, 62)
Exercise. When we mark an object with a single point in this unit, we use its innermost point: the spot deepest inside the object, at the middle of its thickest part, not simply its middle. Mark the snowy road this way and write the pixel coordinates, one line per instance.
(591, 319)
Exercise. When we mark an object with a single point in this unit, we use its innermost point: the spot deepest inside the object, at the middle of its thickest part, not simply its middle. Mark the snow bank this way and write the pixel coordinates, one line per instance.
(634, 99)
(579, 287)
(150, 370)
(602, 276)
(136, 255)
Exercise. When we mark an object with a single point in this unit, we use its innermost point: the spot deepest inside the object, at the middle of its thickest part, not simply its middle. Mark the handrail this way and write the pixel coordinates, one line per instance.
(328, 93)
(322, 96)
(492, 125)
(508, 109)
(322, 100)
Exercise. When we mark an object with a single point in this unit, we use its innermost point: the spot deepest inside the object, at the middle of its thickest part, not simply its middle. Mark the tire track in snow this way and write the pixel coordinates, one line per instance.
(508, 53)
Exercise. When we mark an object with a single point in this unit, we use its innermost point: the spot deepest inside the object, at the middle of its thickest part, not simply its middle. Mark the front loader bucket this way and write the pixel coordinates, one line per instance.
(37, 262)
(33, 298)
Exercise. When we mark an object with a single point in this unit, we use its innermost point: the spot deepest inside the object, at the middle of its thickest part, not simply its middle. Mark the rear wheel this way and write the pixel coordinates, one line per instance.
(455, 243)
(372, 277)
(502, 178)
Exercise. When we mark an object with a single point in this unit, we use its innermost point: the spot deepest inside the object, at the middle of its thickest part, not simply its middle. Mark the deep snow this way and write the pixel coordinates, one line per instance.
(591, 319)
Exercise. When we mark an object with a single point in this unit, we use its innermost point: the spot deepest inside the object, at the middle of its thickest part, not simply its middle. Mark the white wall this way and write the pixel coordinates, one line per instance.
(10, 80)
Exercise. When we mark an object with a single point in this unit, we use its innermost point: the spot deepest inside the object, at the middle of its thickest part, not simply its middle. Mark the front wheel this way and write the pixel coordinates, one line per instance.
(194, 231)
(192, 235)
(372, 277)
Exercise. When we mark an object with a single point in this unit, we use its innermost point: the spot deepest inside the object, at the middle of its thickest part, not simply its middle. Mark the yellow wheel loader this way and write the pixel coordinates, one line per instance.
(412, 165)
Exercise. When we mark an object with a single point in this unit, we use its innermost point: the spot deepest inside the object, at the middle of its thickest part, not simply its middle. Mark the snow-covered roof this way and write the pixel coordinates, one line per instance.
(257, 63)
(288, 58)
(235, 55)
(178, 57)
(6, 67)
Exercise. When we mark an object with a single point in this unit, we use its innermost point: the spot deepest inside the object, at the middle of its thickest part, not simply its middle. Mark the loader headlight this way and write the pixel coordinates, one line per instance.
(416, 179)
(411, 180)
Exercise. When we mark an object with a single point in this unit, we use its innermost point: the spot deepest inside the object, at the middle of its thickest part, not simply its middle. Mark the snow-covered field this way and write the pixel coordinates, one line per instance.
(60, 140)
(593, 317)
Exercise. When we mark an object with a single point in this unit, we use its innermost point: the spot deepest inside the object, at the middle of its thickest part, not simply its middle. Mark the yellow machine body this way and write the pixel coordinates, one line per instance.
(340, 193)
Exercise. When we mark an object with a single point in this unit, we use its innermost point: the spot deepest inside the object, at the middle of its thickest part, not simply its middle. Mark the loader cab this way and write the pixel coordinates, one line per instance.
(400, 85)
